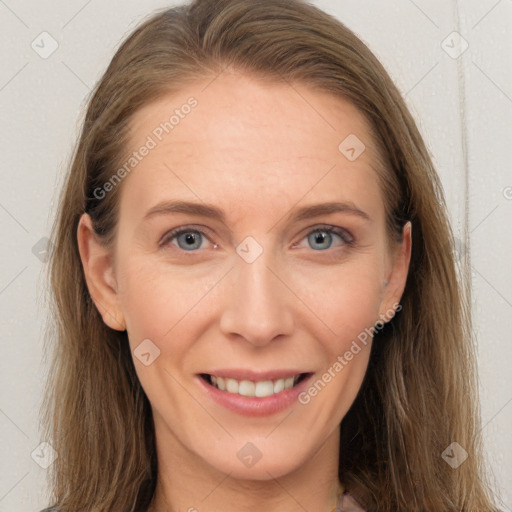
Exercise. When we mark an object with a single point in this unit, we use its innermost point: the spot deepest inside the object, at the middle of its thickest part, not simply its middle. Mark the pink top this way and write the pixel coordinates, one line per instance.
(349, 504)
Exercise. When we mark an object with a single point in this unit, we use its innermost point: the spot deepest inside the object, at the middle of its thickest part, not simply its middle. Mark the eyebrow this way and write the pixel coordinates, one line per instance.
(211, 211)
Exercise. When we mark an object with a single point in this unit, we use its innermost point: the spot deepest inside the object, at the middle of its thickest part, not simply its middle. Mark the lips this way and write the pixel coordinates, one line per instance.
(254, 393)
(253, 385)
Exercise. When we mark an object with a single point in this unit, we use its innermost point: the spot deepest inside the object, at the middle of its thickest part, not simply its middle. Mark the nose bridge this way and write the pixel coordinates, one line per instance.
(258, 304)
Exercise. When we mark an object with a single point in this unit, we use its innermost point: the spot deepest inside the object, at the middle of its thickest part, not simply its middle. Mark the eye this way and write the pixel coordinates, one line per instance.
(187, 238)
(323, 237)
(191, 239)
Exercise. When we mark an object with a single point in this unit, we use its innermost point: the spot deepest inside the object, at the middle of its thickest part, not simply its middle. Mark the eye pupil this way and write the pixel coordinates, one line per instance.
(320, 237)
(190, 240)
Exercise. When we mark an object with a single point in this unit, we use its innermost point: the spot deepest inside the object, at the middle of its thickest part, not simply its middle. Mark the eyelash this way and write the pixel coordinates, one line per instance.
(346, 237)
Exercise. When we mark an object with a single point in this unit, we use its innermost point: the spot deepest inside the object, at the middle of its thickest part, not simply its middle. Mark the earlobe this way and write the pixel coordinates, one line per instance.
(394, 284)
(99, 274)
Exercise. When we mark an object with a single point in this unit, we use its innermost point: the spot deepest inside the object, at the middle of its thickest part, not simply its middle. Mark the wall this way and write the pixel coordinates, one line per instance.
(463, 104)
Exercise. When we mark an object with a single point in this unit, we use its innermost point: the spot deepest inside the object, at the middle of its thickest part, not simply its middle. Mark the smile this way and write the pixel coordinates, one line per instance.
(250, 388)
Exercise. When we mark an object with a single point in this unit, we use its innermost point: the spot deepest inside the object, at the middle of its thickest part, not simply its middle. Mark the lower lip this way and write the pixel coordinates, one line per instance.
(255, 406)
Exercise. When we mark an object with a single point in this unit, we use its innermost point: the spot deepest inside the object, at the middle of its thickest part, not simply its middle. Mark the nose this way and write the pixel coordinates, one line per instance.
(258, 303)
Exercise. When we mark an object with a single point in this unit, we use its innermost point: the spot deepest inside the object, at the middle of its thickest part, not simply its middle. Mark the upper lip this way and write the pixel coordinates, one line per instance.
(255, 376)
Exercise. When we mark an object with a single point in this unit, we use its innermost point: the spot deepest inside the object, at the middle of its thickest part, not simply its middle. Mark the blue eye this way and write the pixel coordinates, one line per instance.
(324, 237)
(190, 240)
(187, 239)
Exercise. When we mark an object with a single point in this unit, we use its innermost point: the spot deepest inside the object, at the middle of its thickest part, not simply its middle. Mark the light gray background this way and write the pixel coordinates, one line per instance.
(463, 106)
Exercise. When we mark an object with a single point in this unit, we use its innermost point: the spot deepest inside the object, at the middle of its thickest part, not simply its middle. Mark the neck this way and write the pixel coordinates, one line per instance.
(186, 482)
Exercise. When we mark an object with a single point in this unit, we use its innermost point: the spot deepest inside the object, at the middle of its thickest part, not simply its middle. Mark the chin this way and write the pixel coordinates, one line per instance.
(261, 461)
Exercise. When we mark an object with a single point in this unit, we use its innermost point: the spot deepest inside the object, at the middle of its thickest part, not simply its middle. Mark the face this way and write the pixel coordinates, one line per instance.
(251, 254)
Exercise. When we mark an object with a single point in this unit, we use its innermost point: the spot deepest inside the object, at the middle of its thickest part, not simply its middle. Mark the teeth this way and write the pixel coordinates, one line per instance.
(278, 385)
(264, 388)
(246, 388)
(232, 385)
(249, 388)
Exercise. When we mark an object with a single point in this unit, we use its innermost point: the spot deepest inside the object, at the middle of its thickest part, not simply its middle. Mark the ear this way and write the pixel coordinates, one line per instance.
(394, 285)
(98, 268)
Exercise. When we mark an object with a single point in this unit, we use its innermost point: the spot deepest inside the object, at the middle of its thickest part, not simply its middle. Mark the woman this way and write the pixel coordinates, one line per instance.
(253, 277)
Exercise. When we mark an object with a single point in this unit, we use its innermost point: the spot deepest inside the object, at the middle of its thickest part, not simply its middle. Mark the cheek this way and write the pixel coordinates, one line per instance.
(345, 298)
(156, 298)
(165, 306)
(336, 301)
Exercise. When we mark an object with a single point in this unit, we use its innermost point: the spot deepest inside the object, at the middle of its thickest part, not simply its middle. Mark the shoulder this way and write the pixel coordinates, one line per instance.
(349, 503)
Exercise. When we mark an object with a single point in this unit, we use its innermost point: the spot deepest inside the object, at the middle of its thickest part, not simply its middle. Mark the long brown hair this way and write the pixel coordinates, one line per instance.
(419, 394)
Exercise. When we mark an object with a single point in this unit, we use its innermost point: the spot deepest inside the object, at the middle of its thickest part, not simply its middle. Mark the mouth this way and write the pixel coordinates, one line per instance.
(254, 388)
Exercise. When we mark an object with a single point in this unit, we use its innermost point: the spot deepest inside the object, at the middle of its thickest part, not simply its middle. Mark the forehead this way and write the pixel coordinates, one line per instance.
(236, 140)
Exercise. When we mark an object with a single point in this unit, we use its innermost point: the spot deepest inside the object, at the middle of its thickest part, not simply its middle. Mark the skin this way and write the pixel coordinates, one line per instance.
(258, 151)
